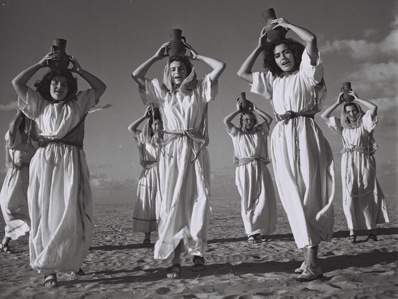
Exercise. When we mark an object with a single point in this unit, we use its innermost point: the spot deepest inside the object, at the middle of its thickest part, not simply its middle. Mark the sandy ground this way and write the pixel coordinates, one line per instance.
(119, 266)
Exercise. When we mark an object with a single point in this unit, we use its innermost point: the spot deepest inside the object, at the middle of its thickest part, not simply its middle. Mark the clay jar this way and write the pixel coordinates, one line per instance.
(273, 35)
(346, 87)
(60, 60)
(177, 47)
(246, 105)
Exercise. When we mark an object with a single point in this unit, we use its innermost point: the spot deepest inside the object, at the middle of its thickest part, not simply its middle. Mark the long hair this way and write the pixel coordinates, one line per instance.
(43, 85)
(269, 59)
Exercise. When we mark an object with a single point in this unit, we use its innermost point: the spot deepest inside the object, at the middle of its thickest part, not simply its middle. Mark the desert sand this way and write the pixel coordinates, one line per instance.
(119, 266)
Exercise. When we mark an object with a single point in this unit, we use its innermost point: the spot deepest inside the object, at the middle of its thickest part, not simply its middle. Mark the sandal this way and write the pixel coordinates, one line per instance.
(199, 263)
(5, 248)
(352, 238)
(50, 280)
(372, 237)
(254, 239)
(174, 272)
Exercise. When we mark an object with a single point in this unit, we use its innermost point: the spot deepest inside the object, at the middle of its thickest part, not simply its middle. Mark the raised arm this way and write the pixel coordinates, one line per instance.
(370, 106)
(133, 127)
(95, 83)
(267, 118)
(328, 111)
(307, 36)
(217, 65)
(21, 80)
(228, 120)
(245, 71)
(139, 73)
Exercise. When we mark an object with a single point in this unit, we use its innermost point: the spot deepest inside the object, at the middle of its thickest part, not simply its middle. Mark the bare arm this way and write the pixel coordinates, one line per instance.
(328, 111)
(139, 73)
(245, 71)
(133, 127)
(267, 118)
(370, 106)
(228, 120)
(21, 80)
(307, 36)
(217, 65)
(95, 83)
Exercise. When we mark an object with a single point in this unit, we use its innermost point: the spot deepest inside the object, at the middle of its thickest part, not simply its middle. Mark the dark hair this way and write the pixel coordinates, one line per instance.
(43, 85)
(269, 59)
(184, 60)
(247, 113)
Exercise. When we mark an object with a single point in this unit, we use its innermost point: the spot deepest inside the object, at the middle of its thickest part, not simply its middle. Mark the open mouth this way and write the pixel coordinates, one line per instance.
(285, 62)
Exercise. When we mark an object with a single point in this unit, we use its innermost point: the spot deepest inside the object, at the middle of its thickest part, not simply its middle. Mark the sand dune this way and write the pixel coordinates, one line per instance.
(118, 266)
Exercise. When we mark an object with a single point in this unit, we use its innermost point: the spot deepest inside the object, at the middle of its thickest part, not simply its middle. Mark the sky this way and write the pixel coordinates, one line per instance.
(358, 42)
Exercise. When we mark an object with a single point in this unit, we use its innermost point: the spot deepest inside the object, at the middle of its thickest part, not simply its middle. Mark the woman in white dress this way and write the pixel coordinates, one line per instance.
(148, 139)
(20, 148)
(364, 204)
(184, 168)
(301, 156)
(252, 177)
(59, 194)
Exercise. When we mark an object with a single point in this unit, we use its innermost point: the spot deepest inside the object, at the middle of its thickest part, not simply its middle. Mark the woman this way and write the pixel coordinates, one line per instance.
(363, 200)
(59, 194)
(184, 167)
(252, 178)
(144, 217)
(20, 148)
(301, 156)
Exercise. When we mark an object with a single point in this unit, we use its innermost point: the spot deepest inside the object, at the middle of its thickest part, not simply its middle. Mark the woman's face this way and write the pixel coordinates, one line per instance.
(156, 125)
(247, 122)
(284, 58)
(59, 88)
(178, 72)
(352, 112)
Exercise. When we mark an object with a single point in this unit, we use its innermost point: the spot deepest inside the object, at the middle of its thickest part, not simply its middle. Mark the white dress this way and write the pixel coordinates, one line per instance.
(13, 196)
(301, 156)
(253, 180)
(363, 200)
(144, 216)
(59, 194)
(184, 167)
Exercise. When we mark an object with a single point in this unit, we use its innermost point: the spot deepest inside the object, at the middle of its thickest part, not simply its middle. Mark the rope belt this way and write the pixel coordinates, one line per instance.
(193, 135)
(360, 149)
(291, 114)
(246, 160)
(45, 142)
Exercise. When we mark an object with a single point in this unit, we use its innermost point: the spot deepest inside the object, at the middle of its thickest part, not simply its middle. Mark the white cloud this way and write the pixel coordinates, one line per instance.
(363, 49)
(8, 106)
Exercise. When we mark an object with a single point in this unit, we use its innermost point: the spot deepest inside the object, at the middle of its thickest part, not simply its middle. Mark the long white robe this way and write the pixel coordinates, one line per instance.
(364, 204)
(253, 180)
(301, 156)
(13, 196)
(59, 193)
(144, 216)
(184, 167)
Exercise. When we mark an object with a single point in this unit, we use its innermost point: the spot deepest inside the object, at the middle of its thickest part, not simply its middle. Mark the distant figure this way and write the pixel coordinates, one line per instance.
(144, 217)
(20, 148)
(301, 156)
(363, 200)
(184, 166)
(59, 194)
(252, 178)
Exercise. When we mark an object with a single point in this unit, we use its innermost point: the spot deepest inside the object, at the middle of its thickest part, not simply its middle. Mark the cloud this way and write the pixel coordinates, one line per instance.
(8, 106)
(366, 50)
(101, 181)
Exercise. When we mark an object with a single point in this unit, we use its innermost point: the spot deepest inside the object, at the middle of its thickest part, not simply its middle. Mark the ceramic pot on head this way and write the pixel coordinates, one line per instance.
(346, 88)
(177, 47)
(273, 35)
(245, 105)
(60, 60)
